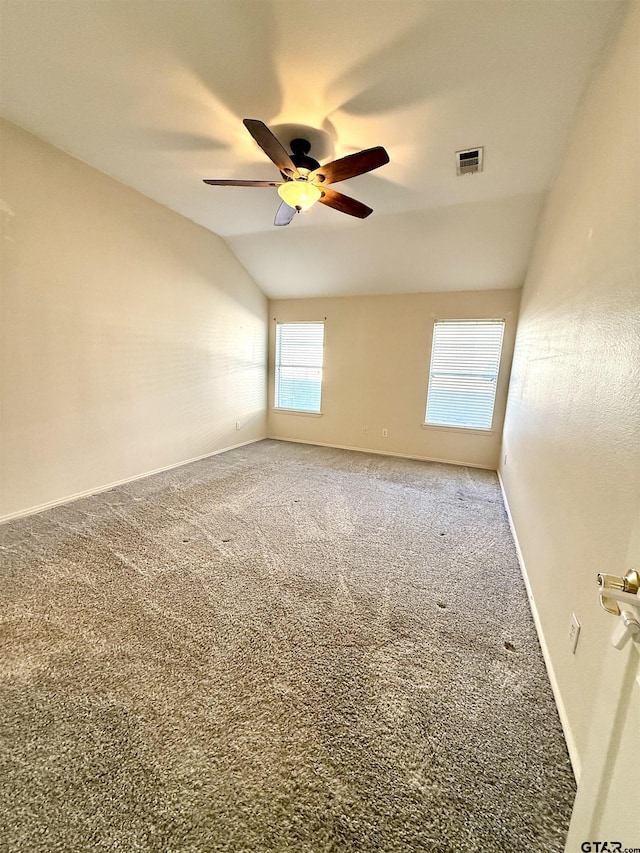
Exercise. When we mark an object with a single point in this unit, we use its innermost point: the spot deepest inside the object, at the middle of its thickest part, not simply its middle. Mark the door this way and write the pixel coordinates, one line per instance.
(607, 805)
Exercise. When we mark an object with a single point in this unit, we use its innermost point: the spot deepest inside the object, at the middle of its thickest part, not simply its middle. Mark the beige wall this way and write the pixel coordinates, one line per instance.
(571, 436)
(376, 366)
(132, 339)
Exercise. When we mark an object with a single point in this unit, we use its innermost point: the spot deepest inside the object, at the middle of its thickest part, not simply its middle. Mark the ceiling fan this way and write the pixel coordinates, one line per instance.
(304, 180)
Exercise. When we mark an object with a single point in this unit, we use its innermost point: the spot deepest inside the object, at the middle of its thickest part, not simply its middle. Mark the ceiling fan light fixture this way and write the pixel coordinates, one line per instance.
(299, 194)
(301, 175)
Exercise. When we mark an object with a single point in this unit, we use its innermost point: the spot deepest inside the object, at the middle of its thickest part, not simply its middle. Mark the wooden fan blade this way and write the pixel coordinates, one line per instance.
(352, 165)
(284, 214)
(270, 145)
(225, 183)
(344, 204)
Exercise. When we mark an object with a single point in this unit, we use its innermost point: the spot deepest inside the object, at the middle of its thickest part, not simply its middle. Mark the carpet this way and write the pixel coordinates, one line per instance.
(280, 648)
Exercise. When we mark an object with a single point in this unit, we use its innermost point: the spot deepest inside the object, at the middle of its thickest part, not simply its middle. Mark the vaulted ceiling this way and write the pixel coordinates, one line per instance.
(154, 93)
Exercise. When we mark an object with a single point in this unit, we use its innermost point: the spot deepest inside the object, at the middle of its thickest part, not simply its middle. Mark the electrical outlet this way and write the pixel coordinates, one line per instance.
(574, 633)
(366, 429)
(385, 433)
(237, 424)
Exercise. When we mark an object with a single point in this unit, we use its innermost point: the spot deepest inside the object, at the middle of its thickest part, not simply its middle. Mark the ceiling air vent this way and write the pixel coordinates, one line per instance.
(469, 161)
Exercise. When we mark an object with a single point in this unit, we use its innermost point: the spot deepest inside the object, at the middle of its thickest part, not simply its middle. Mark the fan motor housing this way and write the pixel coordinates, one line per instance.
(299, 155)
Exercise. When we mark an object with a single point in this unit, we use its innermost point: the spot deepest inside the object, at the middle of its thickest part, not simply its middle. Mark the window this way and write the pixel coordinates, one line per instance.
(465, 359)
(299, 366)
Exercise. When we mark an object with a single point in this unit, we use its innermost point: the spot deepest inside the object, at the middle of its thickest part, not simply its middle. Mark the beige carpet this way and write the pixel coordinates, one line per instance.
(282, 648)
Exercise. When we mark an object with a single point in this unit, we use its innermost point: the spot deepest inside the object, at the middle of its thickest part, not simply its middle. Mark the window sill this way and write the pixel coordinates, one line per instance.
(297, 412)
(465, 430)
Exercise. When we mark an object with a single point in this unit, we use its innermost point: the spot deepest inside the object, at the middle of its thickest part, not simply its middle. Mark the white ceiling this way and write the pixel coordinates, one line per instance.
(154, 93)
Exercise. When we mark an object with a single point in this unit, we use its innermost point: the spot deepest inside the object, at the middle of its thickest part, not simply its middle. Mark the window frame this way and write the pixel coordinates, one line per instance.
(472, 429)
(276, 367)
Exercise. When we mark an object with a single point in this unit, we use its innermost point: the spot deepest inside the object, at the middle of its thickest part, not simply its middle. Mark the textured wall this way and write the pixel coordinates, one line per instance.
(377, 351)
(571, 433)
(132, 339)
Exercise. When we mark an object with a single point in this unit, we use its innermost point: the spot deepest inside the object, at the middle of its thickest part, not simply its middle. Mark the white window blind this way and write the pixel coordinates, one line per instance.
(465, 359)
(299, 349)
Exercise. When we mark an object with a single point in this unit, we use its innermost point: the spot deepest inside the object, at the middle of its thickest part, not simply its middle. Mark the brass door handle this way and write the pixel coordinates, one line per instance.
(629, 583)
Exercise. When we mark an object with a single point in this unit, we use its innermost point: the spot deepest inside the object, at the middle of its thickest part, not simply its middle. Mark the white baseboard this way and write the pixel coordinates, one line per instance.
(562, 712)
(381, 452)
(70, 498)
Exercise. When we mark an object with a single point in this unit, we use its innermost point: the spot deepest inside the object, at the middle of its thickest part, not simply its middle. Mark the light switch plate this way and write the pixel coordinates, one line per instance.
(574, 633)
